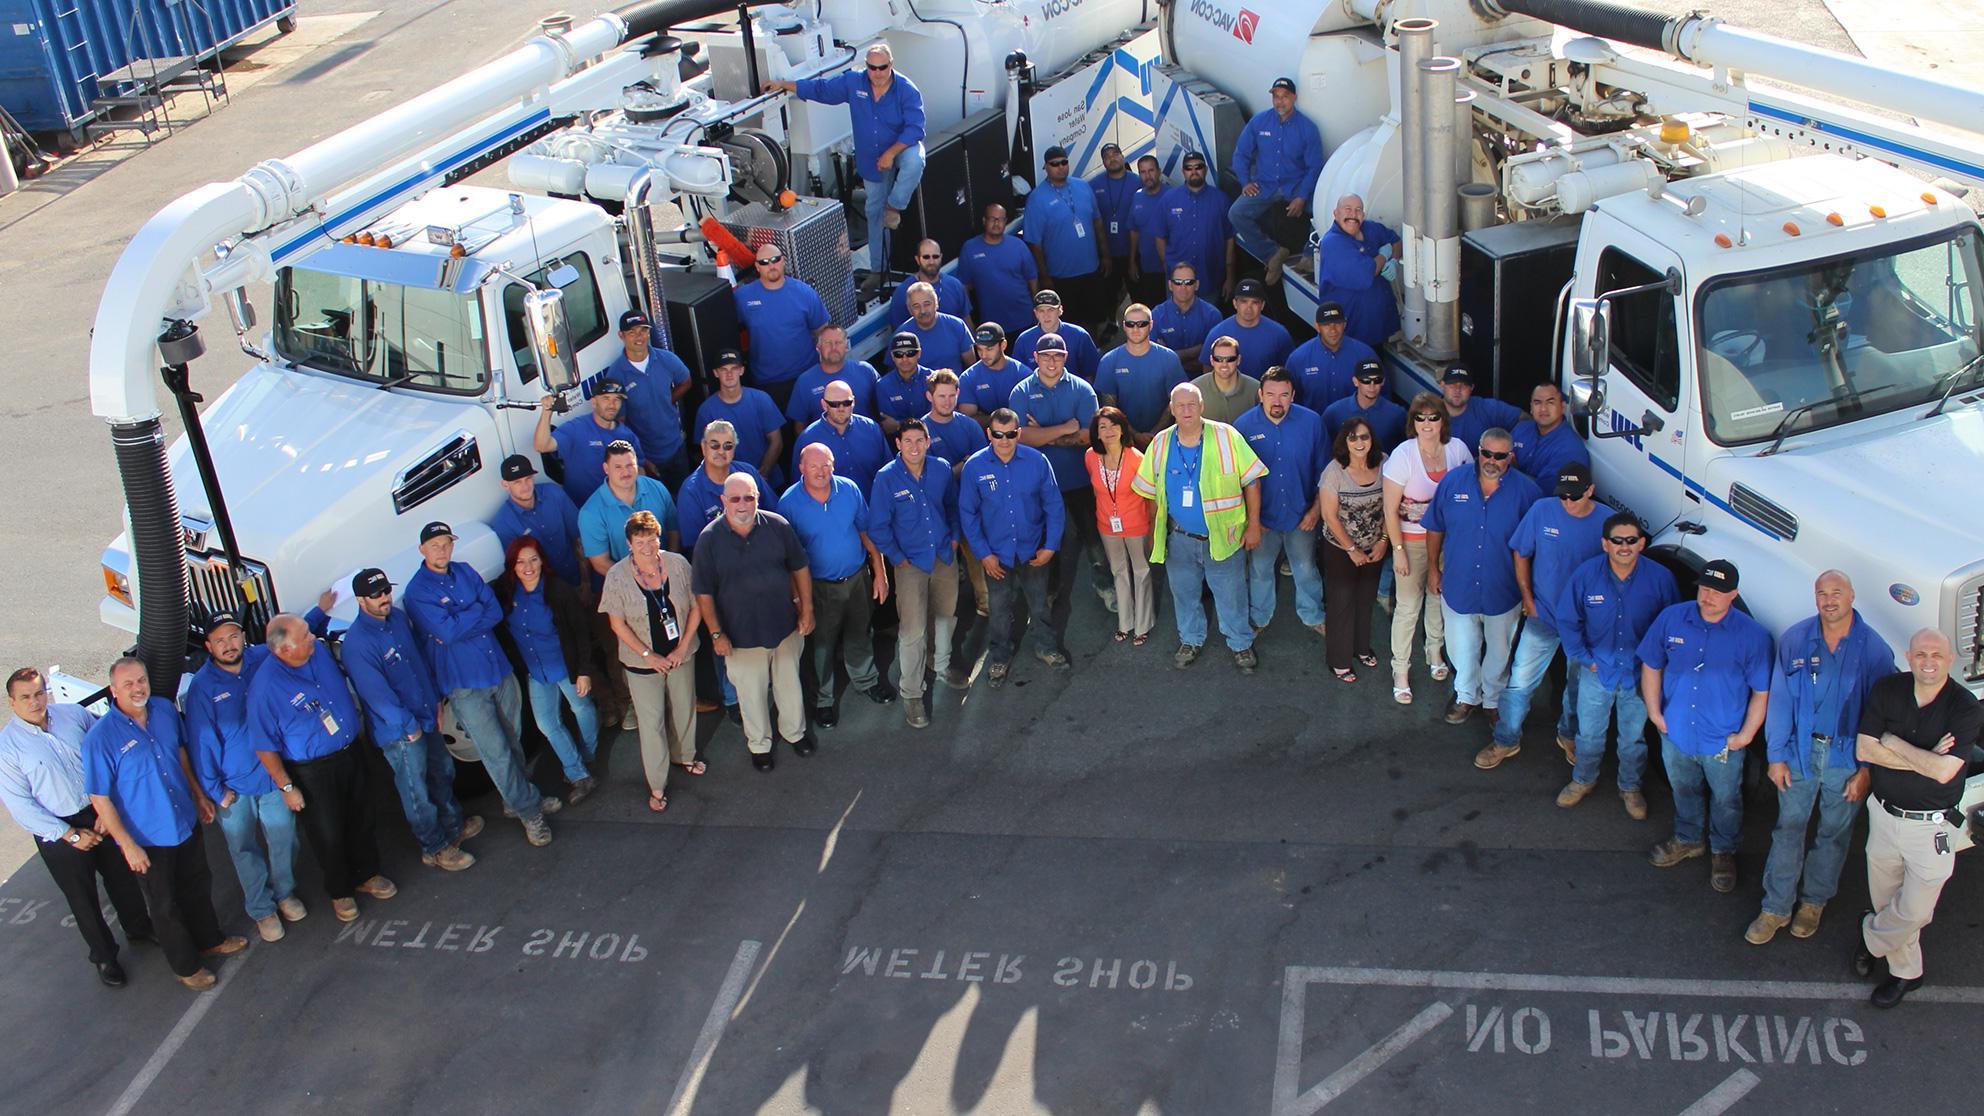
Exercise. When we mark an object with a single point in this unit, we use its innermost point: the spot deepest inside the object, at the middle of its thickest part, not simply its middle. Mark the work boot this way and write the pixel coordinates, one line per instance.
(957, 678)
(537, 831)
(228, 947)
(200, 981)
(1569, 747)
(345, 909)
(292, 909)
(891, 218)
(1805, 920)
(378, 887)
(270, 928)
(1670, 852)
(1722, 872)
(1764, 927)
(551, 805)
(914, 714)
(1491, 757)
(1186, 655)
(995, 674)
(1246, 660)
(1275, 264)
(1890, 991)
(449, 859)
(471, 826)
(1459, 711)
(1635, 804)
(1573, 793)
(580, 789)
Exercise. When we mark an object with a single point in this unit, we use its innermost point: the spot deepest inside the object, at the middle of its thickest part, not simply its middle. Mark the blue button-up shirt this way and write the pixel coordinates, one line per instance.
(1483, 414)
(914, 519)
(700, 500)
(803, 406)
(955, 441)
(552, 519)
(603, 521)
(455, 615)
(1112, 205)
(988, 388)
(782, 323)
(946, 344)
(1060, 221)
(137, 768)
(1282, 156)
(1177, 329)
(1601, 618)
(901, 399)
(1196, 230)
(216, 721)
(1141, 385)
(536, 637)
(1147, 219)
(1542, 455)
(1009, 509)
(1556, 544)
(830, 530)
(896, 117)
(582, 446)
(1387, 420)
(1322, 377)
(651, 409)
(1477, 568)
(1708, 672)
(389, 669)
(1083, 356)
(1070, 398)
(860, 451)
(999, 277)
(302, 713)
(952, 298)
(1816, 691)
(1294, 453)
(1262, 345)
(1347, 274)
(41, 770)
(754, 416)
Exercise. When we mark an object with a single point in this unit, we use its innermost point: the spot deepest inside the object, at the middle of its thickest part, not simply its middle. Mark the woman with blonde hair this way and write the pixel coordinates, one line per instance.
(648, 600)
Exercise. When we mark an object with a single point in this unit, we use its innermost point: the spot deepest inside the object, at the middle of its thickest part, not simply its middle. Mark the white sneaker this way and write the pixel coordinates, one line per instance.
(627, 721)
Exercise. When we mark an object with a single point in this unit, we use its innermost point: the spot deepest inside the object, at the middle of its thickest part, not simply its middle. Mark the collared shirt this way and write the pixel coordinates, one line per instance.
(552, 519)
(1556, 544)
(750, 578)
(1347, 274)
(878, 123)
(391, 674)
(829, 529)
(455, 615)
(1323, 377)
(218, 742)
(1600, 618)
(1223, 405)
(1070, 398)
(782, 323)
(947, 343)
(1177, 329)
(1196, 230)
(1543, 455)
(902, 399)
(754, 416)
(536, 637)
(998, 276)
(1141, 385)
(41, 770)
(988, 388)
(1477, 568)
(1060, 220)
(1891, 708)
(582, 446)
(1283, 157)
(302, 713)
(1708, 672)
(1294, 453)
(1387, 420)
(700, 500)
(1112, 207)
(603, 521)
(1262, 345)
(860, 450)
(1814, 690)
(1083, 356)
(803, 406)
(1009, 509)
(1147, 220)
(951, 298)
(137, 768)
(914, 519)
(651, 409)
(1483, 414)
(1182, 497)
(956, 440)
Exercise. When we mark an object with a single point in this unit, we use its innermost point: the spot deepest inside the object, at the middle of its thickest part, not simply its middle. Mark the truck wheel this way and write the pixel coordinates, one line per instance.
(286, 24)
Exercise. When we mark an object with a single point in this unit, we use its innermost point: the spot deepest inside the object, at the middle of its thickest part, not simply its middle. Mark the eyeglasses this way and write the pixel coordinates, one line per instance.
(1184, 282)
(773, 259)
(1226, 360)
(1493, 455)
(721, 447)
(929, 255)
(1057, 162)
(1357, 437)
(1425, 418)
(1145, 324)
(838, 403)
(1003, 435)
(1629, 540)
(740, 499)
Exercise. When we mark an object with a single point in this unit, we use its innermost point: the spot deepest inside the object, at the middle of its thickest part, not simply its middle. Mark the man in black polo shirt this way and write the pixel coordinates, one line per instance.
(1918, 734)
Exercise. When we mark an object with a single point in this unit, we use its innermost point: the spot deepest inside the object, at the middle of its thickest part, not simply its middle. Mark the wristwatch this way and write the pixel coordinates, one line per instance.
(74, 836)
(716, 635)
(287, 787)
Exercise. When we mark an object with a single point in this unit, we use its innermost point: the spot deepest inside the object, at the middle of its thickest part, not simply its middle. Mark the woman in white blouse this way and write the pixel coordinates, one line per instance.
(1412, 472)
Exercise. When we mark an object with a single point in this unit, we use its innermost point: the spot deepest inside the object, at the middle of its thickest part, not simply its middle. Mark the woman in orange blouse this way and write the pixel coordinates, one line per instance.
(1123, 518)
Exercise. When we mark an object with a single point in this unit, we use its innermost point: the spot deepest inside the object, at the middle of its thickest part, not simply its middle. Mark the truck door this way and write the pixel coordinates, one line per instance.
(1641, 472)
(592, 335)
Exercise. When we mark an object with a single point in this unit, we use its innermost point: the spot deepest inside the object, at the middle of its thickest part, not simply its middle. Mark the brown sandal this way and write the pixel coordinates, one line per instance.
(693, 767)
(657, 801)
(1344, 675)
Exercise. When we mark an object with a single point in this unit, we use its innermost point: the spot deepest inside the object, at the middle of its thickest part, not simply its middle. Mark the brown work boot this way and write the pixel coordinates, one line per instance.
(1460, 711)
(200, 981)
(378, 887)
(1722, 872)
(345, 909)
(270, 928)
(1635, 803)
(1491, 757)
(471, 826)
(1570, 749)
(1275, 263)
(228, 947)
(1573, 793)
(1670, 852)
(451, 858)
(1805, 920)
(1764, 927)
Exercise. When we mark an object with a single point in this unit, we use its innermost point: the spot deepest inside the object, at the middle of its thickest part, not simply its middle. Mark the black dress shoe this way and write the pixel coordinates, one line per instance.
(145, 936)
(803, 746)
(827, 717)
(762, 760)
(112, 974)
(735, 714)
(881, 693)
(1889, 992)
(1863, 960)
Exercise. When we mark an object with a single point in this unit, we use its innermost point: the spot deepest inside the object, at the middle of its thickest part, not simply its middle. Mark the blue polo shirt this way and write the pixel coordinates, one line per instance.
(552, 519)
(1556, 544)
(1262, 346)
(1181, 474)
(1083, 356)
(582, 446)
(1323, 377)
(1477, 569)
(700, 500)
(860, 451)
(1196, 230)
(1294, 453)
(781, 324)
(955, 441)
(1814, 690)
(1009, 509)
(1708, 672)
(951, 297)
(1141, 385)
(754, 415)
(1387, 420)
(988, 388)
(1112, 205)
(302, 713)
(603, 521)
(914, 519)
(1070, 398)
(1282, 156)
(455, 615)
(999, 277)
(1483, 414)
(215, 723)
(1542, 455)
(947, 342)
(901, 399)
(1147, 219)
(1060, 220)
(831, 531)
(138, 770)
(651, 409)
(878, 123)
(1347, 274)
(535, 635)
(1600, 618)
(804, 404)
(389, 670)
(1177, 329)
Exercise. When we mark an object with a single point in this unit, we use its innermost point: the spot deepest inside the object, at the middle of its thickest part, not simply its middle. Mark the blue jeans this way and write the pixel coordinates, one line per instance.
(1721, 776)
(1190, 568)
(1248, 214)
(492, 717)
(1534, 649)
(265, 881)
(893, 192)
(1596, 704)
(424, 774)
(1025, 583)
(1300, 546)
(1478, 648)
(1824, 786)
(551, 722)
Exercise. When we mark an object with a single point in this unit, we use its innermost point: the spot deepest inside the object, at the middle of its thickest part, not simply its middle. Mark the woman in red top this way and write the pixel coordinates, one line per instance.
(1123, 518)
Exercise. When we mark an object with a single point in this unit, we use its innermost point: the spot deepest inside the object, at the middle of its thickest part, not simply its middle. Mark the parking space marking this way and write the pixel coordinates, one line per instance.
(1719, 1099)
(719, 1018)
(1545, 982)
(174, 1039)
(1289, 1064)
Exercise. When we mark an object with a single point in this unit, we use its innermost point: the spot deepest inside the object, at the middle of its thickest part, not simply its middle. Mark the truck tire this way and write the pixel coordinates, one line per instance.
(286, 24)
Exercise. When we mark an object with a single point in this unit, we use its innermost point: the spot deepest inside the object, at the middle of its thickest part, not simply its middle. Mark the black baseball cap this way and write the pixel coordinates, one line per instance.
(373, 581)
(1050, 343)
(218, 619)
(1047, 298)
(608, 387)
(1719, 575)
(728, 356)
(1193, 157)
(1056, 152)
(435, 530)
(1251, 288)
(1108, 147)
(905, 342)
(1369, 369)
(1330, 313)
(517, 467)
(991, 333)
(633, 319)
(1283, 83)
(1458, 374)
(1573, 479)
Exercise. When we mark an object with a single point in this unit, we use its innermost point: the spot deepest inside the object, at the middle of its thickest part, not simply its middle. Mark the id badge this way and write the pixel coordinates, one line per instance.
(1081, 231)
(669, 628)
(329, 722)
(1113, 230)
(1115, 524)
(1188, 497)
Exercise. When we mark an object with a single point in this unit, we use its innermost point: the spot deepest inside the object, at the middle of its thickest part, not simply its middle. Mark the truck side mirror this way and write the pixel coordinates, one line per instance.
(551, 339)
(1591, 337)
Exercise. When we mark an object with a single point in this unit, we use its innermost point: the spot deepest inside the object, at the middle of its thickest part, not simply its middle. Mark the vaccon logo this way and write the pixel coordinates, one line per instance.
(1241, 26)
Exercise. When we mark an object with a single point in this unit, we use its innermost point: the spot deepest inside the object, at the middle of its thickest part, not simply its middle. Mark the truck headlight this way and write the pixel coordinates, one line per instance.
(117, 585)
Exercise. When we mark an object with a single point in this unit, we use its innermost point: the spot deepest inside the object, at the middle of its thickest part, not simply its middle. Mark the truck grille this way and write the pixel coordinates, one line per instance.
(1751, 505)
(1969, 649)
(210, 588)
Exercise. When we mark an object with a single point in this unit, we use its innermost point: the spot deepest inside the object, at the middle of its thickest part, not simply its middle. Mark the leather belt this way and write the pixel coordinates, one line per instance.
(1177, 530)
(1923, 815)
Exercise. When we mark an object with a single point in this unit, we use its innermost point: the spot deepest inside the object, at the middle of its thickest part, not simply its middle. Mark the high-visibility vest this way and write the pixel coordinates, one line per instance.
(1223, 473)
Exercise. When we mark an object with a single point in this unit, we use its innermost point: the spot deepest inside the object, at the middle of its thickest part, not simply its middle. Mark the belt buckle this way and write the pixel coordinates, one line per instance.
(1822, 740)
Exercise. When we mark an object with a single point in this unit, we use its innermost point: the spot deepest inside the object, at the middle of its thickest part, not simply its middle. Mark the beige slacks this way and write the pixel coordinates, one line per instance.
(665, 704)
(762, 673)
(1408, 603)
(1905, 877)
(1136, 607)
(924, 601)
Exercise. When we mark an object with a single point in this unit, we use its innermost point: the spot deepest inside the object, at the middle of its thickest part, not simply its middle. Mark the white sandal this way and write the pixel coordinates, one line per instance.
(1401, 689)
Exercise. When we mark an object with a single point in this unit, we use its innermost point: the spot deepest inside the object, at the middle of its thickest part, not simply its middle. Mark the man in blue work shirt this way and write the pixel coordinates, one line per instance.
(1197, 231)
(1324, 365)
(1180, 323)
(1288, 438)
(1146, 264)
(540, 509)
(1065, 233)
(1264, 342)
(603, 521)
(830, 516)
(698, 503)
(859, 375)
(1469, 415)
(1825, 666)
(903, 392)
(944, 336)
(1470, 522)
(139, 779)
(1605, 608)
(1277, 159)
(456, 615)
(999, 272)
(859, 448)
(1353, 265)
(581, 443)
(1009, 507)
(952, 298)
(1054, 409)
(1706, 677)
(886, 110)
(402, 706)
(755, 423)
(954, 435)
(1554, 538)
(1115, 187)
(988, 384)
(1083, 354)
(655, 381)
(1544, 442)
(913, 521)
(780, 314)
(1138, 375)
(1368, 402)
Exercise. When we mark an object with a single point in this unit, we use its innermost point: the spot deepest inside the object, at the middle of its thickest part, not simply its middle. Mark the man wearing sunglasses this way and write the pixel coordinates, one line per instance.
(1469, 566)
(1065, 233)
(782, 315)
(1369, 403)
(951, 296)
(699, 502)
(1324, 366)
(1180, 323)
(903, 392)
(1054, 409)
(1197, 231)
(859, 448)
(1010, 510)
(1138, 375)
(1225, 393)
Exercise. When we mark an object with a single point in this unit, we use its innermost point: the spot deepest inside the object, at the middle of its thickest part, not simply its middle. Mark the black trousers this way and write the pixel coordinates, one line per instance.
(179, 887)
(1350, 592)
(75, 873)
(337, 819)
(1065, 574)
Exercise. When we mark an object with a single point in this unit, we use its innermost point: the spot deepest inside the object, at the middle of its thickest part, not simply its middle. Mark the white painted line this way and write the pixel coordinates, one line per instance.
(1544, 982)
(719, 1018)
(1353, 1071)
(1721, 1098)
(176, 1038)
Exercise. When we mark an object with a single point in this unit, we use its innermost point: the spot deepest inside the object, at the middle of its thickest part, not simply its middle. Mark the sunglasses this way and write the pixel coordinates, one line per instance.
(1493, 455)
(1003, 435)
(1145, 324)
(1226, 360)
(1629, 540)
(1195, 166)
(1357, 437)
(1370, 379)
(740, 499)
(872, 68)
(1057, 162)
(721, 447)
(1425, 418)
(772, 259)
(1184, 282)
(839, 403)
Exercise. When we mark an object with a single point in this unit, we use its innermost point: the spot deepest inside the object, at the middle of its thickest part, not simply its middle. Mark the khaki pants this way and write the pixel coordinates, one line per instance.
(1905, 877)
(974, 570)
(1408, 604)
(924, 601)
(666, 707)
(1136, 607)
(769, 672)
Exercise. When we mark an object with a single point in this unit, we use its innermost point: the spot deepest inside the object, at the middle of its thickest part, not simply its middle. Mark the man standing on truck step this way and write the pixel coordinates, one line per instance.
(1065, 233)
(1470, 566)
(656, 380)
(1468, 416)
(456, 615)
(1353, 265)
(1706, 676)
(1115, 188)
(581, 443)
(1544, 442)
(540, 509)
(1145, 278)
(1825, 667)
(780, 316)
(1277, 159)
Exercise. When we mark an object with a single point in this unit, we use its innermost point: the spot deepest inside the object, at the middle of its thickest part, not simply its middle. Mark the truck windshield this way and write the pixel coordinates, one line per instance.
(382, 333)
(1837, 340)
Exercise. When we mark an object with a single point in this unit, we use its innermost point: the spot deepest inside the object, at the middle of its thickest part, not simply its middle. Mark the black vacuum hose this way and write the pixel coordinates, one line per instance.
(158, 550)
